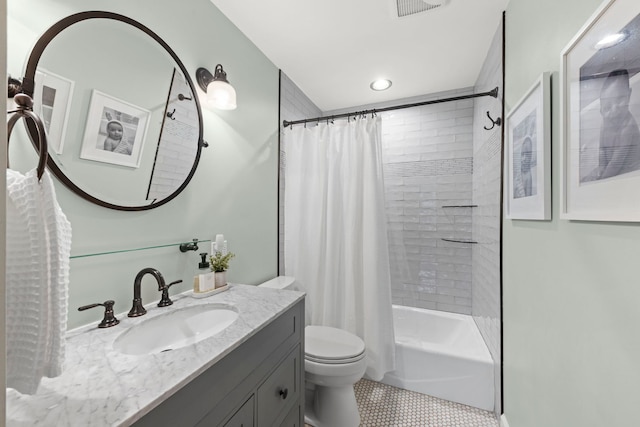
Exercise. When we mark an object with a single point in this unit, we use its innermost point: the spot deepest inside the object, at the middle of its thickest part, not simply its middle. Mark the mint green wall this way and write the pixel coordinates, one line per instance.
(234, 190)
(571, 289)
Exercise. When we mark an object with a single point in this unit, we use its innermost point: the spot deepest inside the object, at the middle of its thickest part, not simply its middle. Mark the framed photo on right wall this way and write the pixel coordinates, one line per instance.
(527, 165)
(600, 99)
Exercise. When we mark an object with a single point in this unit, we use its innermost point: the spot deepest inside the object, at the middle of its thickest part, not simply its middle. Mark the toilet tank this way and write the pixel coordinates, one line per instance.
(280, 282)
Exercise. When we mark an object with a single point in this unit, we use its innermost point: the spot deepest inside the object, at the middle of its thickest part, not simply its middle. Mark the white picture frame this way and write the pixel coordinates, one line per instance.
(52, 102)
(527, 165)
(133, 121)
(600, 111)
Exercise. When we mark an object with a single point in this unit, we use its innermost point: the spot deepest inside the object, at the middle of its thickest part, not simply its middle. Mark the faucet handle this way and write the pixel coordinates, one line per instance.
(165, 300)
(109, 319)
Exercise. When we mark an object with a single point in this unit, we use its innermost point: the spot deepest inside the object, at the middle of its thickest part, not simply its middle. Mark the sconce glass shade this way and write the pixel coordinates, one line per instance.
(220, 93)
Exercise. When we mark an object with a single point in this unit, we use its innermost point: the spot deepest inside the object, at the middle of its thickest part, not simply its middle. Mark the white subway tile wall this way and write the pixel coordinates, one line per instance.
(428, 164)
(487, 180)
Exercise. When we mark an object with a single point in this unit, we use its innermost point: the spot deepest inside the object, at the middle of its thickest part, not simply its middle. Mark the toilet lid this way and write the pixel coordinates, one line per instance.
(331, 345)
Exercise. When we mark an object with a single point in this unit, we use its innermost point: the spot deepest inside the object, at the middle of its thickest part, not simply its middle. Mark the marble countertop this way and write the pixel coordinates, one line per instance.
(102, 387)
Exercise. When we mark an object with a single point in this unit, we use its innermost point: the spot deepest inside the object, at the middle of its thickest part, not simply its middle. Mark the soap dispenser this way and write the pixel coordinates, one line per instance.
(203, 263)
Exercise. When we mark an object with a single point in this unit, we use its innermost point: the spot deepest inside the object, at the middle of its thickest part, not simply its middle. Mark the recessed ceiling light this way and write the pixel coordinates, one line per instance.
(380, 84)
(611, 40)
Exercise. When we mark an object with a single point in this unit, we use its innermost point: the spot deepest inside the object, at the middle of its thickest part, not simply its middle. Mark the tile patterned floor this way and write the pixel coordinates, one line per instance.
(382, 405)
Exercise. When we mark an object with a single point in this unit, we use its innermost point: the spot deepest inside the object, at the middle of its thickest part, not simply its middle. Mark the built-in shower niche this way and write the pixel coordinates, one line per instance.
(468, 240)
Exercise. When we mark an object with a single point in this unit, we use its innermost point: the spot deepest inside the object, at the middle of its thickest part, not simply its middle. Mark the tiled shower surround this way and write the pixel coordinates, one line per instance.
(428, 167)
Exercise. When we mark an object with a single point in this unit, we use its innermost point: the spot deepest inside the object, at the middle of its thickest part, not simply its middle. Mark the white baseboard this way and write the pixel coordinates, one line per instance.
(503, 421)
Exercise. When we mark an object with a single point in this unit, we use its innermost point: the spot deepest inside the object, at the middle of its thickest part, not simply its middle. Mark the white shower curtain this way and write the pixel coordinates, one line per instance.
(336, 233)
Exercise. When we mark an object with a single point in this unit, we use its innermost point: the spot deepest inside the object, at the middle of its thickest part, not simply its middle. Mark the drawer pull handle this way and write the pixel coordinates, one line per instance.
(284, 393)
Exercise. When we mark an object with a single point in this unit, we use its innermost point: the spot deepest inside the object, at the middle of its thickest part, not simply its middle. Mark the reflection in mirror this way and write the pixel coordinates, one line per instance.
(124, 125)
(175, 151)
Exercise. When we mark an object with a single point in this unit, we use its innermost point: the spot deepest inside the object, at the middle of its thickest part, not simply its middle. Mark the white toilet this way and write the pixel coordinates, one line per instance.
(334, 362)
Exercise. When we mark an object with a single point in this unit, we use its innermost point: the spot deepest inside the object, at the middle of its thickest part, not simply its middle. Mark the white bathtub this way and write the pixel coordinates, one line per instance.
(443, 355)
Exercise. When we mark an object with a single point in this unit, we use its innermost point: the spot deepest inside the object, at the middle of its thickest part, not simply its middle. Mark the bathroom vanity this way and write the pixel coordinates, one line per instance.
(249, 374)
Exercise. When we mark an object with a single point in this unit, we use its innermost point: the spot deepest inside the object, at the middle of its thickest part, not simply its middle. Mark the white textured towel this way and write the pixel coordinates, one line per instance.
(37, 280)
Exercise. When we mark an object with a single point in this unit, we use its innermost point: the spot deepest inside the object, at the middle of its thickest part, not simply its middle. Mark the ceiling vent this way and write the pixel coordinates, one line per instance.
(413, 7)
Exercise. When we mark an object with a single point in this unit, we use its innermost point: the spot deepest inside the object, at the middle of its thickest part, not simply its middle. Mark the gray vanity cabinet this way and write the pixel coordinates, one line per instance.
(244, 416)
(259, 384)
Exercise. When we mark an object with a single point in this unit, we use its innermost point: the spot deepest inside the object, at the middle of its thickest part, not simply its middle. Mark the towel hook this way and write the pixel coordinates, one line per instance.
(495, 122)
(25, 109)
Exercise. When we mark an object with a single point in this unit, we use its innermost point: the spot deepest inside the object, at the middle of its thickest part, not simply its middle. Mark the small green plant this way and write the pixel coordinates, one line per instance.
(220, 262)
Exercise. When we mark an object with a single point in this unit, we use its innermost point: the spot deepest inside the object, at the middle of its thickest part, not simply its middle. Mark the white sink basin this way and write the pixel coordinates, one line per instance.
(175, 329)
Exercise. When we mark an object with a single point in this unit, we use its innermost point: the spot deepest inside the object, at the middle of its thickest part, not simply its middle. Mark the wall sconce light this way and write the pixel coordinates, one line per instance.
(220, 93)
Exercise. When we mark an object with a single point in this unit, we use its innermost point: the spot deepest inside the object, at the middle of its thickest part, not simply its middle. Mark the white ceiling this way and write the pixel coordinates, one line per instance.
(333, 49)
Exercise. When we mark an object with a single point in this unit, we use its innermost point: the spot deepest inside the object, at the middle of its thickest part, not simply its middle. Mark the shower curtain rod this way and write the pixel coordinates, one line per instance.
(493, 93)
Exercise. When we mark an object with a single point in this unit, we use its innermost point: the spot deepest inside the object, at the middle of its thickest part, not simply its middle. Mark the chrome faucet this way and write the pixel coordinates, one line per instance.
(137, 309)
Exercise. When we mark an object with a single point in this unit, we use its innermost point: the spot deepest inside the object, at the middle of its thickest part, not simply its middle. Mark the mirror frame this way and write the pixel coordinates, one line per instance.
(28, 86)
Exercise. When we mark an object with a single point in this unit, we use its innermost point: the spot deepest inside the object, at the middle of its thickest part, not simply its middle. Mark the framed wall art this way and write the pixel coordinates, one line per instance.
(527, 174)
(115, 131)
(52, 101)
(600, 99)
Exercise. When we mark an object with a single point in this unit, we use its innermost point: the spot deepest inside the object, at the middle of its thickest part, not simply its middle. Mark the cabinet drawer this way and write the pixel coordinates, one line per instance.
(293, 418)
(244, 416)
(280, 390)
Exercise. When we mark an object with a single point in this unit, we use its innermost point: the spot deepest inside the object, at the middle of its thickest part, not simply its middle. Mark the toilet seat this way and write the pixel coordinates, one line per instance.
(324, 344)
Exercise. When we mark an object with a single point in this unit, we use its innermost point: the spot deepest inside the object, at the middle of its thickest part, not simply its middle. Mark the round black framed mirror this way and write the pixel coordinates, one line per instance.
(123, 120)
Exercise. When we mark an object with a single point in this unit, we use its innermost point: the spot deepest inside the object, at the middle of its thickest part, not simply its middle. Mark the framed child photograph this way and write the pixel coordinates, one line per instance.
(115, 131)
(527, 174)
(52, 101)
(600, 99)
